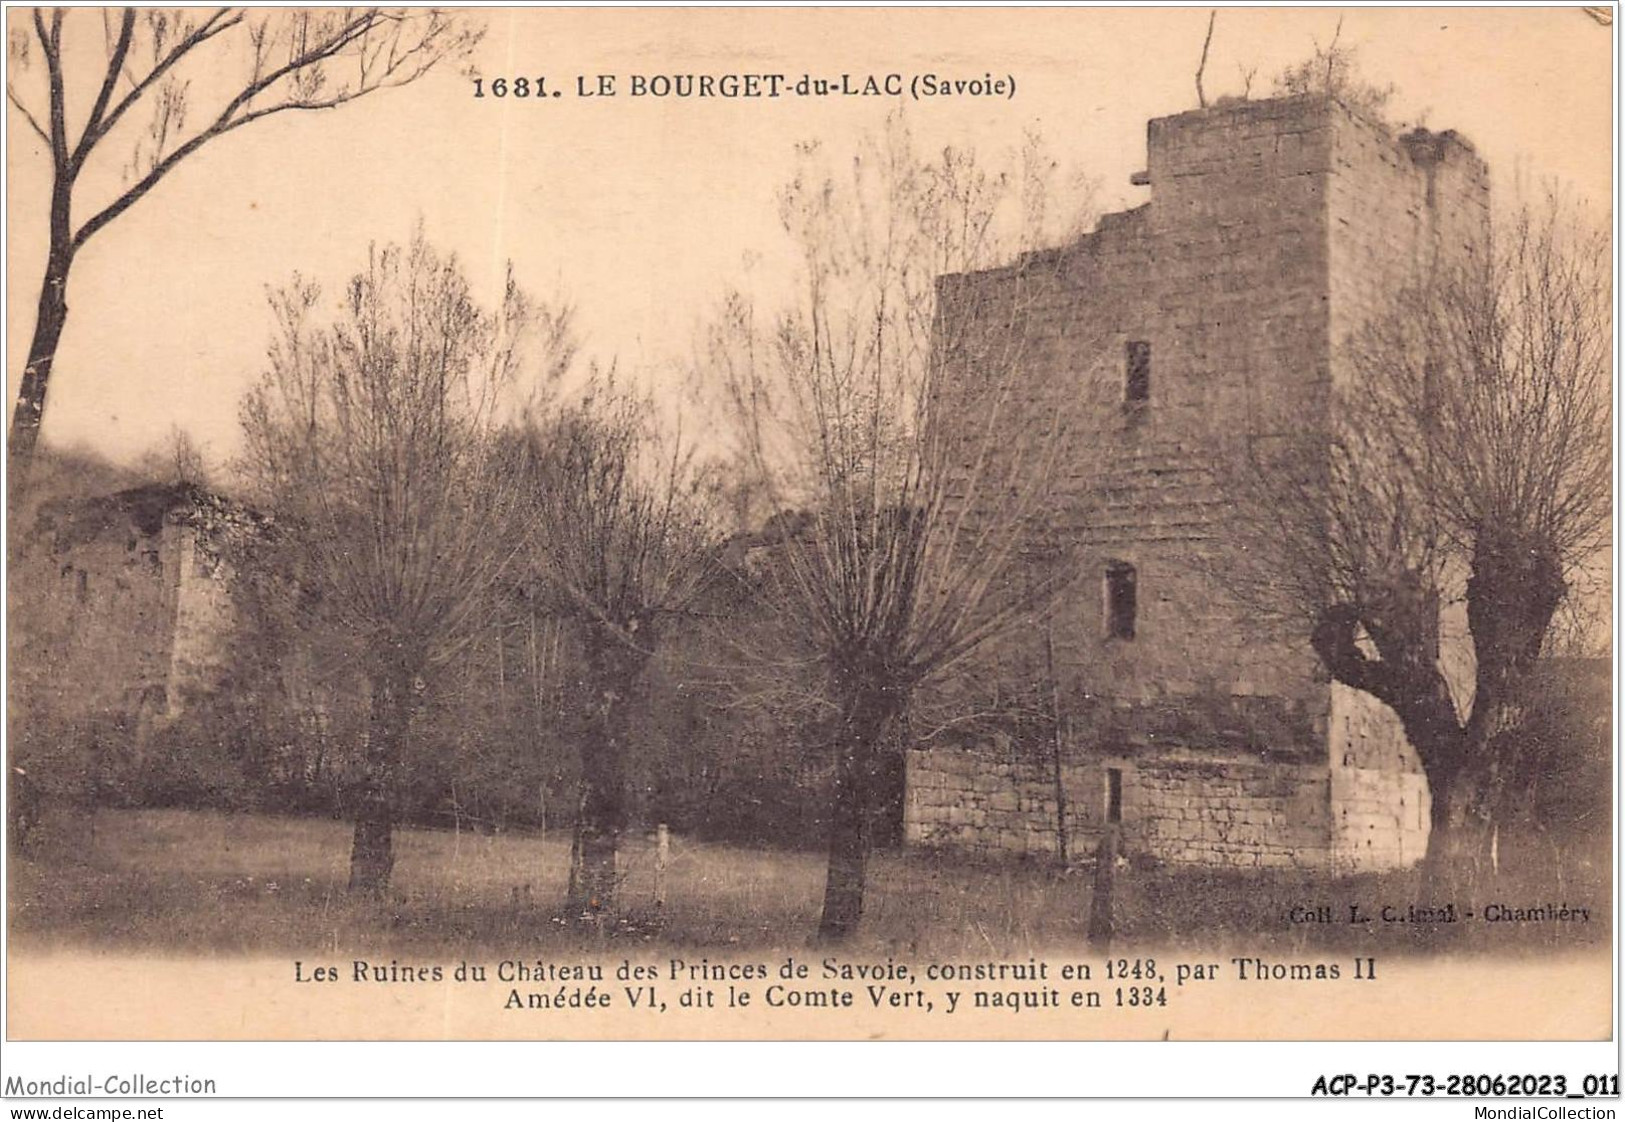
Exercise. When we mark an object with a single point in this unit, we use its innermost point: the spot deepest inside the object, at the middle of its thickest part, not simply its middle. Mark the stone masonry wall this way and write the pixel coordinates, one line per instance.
(1217, 812)
(1273, 229)
(1399, 209)
(1379, 796)
(137, 618)
(205, 619)
(984, 800)
(1214, 812)
(93, 645)
(1231, 813)
(1223, 274)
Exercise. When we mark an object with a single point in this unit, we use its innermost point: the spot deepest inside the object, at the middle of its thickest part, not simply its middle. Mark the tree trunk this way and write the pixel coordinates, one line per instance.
(1460, 822)
(372, 853)
(602, 814)
(49, 320)
(1513, 590)
(1102, 926)
(372, 850)
(600, 821)
(1435, 862)
(863, 722)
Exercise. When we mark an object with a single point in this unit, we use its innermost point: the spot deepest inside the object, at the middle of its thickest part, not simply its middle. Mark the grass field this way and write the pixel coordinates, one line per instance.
(184, 882)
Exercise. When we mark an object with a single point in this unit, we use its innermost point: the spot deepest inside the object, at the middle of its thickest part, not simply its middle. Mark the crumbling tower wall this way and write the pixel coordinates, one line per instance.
(1170, 337)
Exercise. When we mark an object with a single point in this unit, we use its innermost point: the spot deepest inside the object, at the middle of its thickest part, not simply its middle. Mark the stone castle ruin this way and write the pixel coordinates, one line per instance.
(1212, 314)
(132, 620)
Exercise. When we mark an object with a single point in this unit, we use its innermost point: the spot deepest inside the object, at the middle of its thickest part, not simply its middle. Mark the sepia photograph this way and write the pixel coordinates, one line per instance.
(913, 524)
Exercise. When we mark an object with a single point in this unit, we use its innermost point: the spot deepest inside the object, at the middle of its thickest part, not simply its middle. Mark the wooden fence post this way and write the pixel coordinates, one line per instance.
(662, 853)
(1101, 927)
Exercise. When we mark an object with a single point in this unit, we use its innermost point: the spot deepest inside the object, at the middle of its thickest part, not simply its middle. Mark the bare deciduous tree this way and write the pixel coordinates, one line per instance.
(134, 96)
(882, 406)
(176, 459)
(1467, 474)
(370, 441)
(625, 536)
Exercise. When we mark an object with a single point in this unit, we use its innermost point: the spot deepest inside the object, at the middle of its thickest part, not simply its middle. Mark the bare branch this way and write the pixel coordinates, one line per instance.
(1247, 77)
(51, 44)
(1331, 50)
(374, 438)
(877, 417)
(401, 62)
(221, 20)
(1334, 72)
(295, 59)
(115, 67)
(33, 122)
(624, 532)
(1201, 97)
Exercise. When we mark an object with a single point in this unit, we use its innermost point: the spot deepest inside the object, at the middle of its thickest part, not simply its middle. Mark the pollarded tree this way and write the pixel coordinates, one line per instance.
(134, 99)
(1466, 476)
(886, 405)
(371, 442)
(625, 538)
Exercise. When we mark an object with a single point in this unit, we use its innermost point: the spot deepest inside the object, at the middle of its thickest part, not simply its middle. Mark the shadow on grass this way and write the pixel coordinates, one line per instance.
(182, 882)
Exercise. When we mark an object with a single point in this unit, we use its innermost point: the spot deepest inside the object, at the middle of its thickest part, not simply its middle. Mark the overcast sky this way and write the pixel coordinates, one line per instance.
(644, 210)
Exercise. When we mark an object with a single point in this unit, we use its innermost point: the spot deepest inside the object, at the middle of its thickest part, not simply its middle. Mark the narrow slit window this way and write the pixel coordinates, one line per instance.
(1114, 794)
(1121, 600)
(1137, 373)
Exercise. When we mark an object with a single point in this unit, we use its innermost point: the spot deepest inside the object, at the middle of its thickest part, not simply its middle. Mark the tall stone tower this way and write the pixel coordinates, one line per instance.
(1210, 315)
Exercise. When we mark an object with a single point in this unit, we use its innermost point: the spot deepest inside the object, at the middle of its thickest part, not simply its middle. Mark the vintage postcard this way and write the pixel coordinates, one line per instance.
(811, 524)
